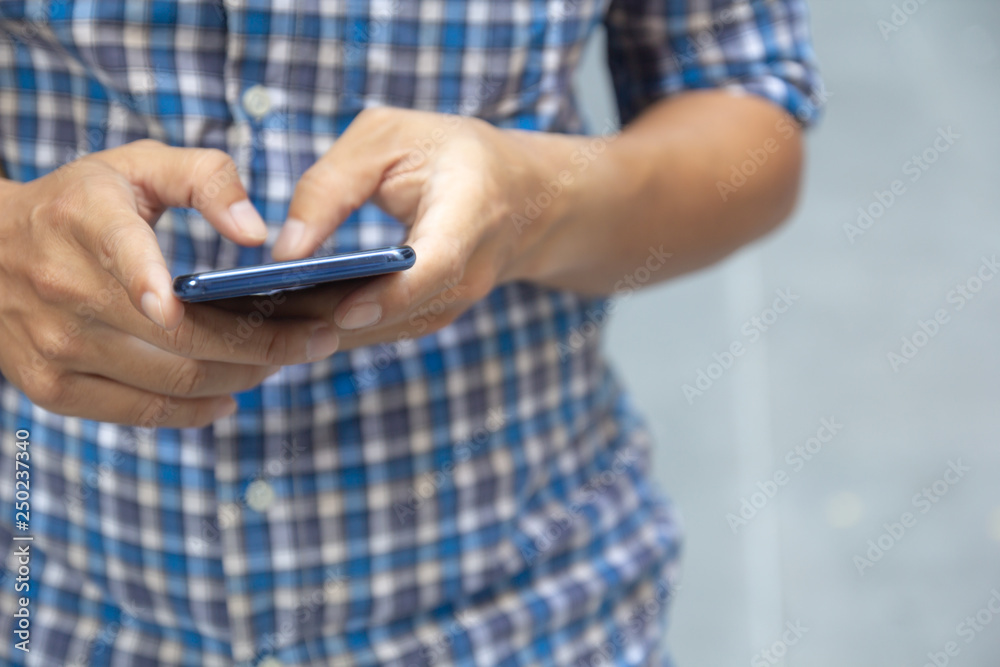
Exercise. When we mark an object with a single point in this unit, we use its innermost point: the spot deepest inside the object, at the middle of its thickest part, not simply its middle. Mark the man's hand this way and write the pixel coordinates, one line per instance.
(486, 205)
(89, 325)
(454, 181)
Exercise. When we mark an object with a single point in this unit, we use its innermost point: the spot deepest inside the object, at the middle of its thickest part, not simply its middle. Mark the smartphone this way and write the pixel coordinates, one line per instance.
(297, 274)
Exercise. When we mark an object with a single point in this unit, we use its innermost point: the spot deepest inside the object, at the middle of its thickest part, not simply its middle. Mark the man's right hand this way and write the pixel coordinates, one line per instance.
(89, 325)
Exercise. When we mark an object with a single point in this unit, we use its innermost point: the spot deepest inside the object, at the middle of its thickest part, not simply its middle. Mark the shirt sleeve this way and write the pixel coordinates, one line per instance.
(658, 48)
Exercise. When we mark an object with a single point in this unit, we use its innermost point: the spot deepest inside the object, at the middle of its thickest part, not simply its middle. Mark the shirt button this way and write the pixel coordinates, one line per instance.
(269, 662)
(260, 496)
(257, 101)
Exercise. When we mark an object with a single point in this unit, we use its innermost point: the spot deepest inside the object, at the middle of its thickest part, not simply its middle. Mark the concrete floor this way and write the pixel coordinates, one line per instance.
(826, 357)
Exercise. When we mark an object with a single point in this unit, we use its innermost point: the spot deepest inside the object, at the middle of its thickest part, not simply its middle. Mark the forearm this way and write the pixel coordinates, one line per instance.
(658, 184)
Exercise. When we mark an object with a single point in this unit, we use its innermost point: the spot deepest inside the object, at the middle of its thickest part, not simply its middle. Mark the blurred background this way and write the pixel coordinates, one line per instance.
(871, 548)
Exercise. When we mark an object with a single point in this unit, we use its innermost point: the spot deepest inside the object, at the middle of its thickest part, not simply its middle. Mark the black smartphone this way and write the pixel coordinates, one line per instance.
(297, 274)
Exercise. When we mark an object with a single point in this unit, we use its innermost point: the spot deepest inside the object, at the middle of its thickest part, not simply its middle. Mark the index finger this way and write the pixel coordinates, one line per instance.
(203, 178)
(110, 228)
(343, 179)
(160, 176)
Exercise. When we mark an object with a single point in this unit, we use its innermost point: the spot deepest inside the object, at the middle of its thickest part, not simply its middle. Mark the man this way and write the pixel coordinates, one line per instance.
(433, 467)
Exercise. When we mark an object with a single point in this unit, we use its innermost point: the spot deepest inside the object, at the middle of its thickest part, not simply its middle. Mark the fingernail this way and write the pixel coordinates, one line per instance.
(153, 307)
(361, 315)
(322, 344)
(248, 220)
(290, 238)
(223, 410)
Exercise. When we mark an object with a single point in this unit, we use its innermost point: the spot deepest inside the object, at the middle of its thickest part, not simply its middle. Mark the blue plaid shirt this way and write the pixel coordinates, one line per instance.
(479, 496)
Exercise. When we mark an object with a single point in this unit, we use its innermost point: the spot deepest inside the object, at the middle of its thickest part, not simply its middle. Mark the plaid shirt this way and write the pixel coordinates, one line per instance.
(478, 496)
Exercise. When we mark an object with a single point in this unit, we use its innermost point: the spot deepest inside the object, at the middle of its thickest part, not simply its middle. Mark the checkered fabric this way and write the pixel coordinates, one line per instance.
(479, 496)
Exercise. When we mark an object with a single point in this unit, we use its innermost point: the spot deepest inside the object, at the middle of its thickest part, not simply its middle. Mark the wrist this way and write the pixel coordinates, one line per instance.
(579, 186)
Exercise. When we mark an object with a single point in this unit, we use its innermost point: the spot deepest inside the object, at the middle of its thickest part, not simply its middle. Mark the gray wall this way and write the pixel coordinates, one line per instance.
(826, 357)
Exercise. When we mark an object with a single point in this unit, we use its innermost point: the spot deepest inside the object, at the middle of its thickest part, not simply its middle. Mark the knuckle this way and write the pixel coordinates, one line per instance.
(145, 144)
(152, 412)
(318, 177)
(58, 213)
(374, 114)
(272, 347)
(187, 378)
(54, 343)
(476, 124)
(214, 171)
(39, 215)
(324, 176)
(182, 340)
(498, 209)
(213, 161)
(52, 283)
(112, 243)
(46, 389)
